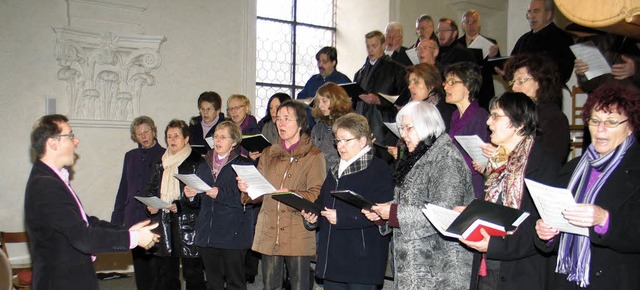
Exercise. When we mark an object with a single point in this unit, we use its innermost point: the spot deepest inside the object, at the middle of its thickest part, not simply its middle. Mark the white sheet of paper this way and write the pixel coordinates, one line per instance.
(389, 98)
(471, 144)
(441, 218)
(589, 53)
(481, 43)
(209, 141)
(193, 181)
(153, 202)
(257, 184)
(394, 128)
(413, 55)
(550, 202)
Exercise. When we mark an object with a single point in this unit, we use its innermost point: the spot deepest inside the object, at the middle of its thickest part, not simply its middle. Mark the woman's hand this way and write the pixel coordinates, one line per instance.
(545, 232)
(627, 68)
(173, 208)
(255, 155)
(459, 208)
(310, 217)
(242, 186)
(330, 215)
(586, 215)
(488, 150)
(382, 209)
(480, 246)
(393, 150)
(212, 193)
(481, 169)
(152, 210)
(371, 215)
(580, 66)
(189, 192)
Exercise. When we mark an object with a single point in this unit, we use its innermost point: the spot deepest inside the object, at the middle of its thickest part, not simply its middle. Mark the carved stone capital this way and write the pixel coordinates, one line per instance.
(105, 73)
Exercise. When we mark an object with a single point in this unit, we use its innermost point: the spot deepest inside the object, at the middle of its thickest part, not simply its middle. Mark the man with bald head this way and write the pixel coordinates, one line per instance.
(394, 38)
(428, 50)
(546, 38)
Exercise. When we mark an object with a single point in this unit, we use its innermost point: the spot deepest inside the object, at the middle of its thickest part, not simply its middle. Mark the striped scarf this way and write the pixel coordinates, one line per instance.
(574, 253)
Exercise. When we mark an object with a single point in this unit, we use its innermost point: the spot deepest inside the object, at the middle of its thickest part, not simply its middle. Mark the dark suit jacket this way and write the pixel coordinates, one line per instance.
(552, 41)
(487, 90)
(61, 241)
(401, 57)
(615, 256)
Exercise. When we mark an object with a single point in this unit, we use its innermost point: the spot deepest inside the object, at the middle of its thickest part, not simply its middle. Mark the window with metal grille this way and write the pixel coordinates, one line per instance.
(289, 33)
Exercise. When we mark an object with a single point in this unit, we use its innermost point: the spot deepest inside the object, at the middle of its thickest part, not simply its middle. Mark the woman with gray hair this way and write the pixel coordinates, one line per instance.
(433, 172)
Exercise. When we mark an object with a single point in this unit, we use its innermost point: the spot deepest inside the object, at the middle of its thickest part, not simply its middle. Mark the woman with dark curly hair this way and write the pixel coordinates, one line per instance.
(537, 76)
(605, 182)
(331, 103)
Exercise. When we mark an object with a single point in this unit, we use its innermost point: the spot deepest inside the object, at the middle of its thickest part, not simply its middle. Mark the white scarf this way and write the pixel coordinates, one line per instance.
(170, 186)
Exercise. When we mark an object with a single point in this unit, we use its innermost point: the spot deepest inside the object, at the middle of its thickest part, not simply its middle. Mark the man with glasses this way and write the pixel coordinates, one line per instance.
(450, 51)
(203, 126)
(424, 29)
(546, 38)
(63, 238)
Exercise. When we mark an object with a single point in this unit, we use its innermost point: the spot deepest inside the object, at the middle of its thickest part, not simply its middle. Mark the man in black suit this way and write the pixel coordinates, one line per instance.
(546, 38)
(380, 74)
(471, 26)
(394, 37)
(64, 239)
(450, 51)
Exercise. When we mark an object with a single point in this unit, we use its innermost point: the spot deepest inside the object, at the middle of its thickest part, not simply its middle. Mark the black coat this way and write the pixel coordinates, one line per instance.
(552, 41)
(353, 250)
(177, 230)
(196, 138)
(224, 222)
(61, 241)
(522, 265)
(388, 77)
(401, 57)
(615, 256)
(487, 90)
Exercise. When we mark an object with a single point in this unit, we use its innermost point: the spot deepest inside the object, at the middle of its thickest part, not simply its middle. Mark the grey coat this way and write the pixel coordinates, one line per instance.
(424, 259)
(322, 137)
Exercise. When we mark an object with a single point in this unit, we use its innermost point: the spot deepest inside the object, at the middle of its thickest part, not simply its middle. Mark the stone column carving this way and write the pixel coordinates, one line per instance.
(105, 73)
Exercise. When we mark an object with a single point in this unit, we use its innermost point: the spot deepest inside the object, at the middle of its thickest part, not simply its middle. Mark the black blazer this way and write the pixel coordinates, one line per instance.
(522, 266)
(61, 241)
(615, 256)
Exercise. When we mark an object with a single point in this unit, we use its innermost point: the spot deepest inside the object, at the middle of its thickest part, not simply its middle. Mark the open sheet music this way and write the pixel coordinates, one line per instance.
(550, 202)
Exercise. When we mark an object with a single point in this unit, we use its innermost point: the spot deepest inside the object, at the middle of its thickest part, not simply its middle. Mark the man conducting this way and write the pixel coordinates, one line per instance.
(64, 239)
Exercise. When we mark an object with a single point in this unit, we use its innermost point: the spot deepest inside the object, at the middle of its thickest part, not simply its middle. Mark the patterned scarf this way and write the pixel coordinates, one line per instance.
(170, 186)
(506, 177)
(574, 253)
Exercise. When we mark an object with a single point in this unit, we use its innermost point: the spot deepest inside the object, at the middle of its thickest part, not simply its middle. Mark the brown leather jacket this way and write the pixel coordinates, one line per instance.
(280, 230)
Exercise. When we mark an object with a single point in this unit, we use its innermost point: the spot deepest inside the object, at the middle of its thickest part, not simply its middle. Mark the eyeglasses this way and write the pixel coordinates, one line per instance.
(343, 141)
(609, 123)
(231, 109)
(519, 82)
(405, 129)
(494, 116)
(70, 136)
(451, 82)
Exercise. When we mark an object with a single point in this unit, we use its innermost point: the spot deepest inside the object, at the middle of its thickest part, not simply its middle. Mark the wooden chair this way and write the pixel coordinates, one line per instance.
(16, 268)
(576, 126)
